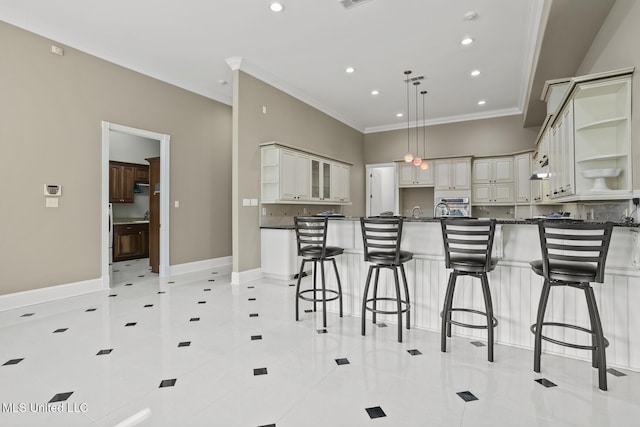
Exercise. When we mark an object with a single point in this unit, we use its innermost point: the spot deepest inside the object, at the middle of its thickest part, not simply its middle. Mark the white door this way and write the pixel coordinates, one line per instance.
(382, 188)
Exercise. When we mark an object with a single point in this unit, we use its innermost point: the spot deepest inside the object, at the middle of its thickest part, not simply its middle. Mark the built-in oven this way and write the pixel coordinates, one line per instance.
(453, 206)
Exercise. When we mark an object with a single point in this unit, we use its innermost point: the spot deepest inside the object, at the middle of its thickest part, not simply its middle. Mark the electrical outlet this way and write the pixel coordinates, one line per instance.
(636, 201)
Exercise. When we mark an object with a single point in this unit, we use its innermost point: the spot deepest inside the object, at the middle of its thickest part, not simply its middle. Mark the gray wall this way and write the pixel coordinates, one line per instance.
(131, 148)
(50, 132)
(499, 135)
(292, 122)
(616, 46)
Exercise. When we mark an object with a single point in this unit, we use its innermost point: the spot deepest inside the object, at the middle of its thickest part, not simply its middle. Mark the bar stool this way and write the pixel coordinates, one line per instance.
(381, 239)
(311, 238)
(574, 255)
(467, 250)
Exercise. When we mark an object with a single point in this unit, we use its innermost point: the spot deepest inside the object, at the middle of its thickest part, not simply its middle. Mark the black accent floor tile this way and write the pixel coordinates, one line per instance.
(27, 315)
(212, 280)
(148, 305)
(116, 271)
(414, 352)
(61, 397)
(308, 311)
(268, 425)
(184, 344)
(381, 325)
(467, 396)
(342, 361)
(127, 265)
(252, 299)
(250, 287)
(171, 283)
(141, 275)
(129, 284)
(292, 284)
(207, 290)
(90, 309)
(194, 319)
(202, 302)
(256, 337)
(214, 272)
(616, 373)
(478, 343)
(253, 315)
(260, 371)
(12, 362)
(113, 295)
(168, 383)
(545, 382)
(322, 331)
(161, 292)
(131, 324)
(375, 412)
(105, 351)
(59, 331)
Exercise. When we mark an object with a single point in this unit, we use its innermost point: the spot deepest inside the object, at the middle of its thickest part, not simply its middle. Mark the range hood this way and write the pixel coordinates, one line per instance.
(540, 173)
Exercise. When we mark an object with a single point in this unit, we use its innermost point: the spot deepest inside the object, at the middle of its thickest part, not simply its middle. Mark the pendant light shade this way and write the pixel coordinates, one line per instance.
(409, 156)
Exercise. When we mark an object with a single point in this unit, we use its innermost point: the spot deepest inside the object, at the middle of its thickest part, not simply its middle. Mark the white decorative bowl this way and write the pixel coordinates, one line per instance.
(599, 176)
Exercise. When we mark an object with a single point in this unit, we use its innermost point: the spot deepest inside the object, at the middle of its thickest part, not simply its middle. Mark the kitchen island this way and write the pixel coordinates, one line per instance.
(515, 288)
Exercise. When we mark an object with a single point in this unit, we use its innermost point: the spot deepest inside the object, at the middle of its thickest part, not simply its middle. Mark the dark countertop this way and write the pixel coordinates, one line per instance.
(121, 221)
(529, 221)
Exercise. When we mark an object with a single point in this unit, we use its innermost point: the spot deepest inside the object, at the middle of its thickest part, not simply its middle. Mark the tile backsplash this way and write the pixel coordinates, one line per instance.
(278, 215)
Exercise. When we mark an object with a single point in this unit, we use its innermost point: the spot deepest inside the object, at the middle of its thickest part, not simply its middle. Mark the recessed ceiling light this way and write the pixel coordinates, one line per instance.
(276, 7)
(374, 92)
(350, 70)
(475, 73)
(466, 41)
(470, 16)
(482, 102)
(399, 115)
(222, 82)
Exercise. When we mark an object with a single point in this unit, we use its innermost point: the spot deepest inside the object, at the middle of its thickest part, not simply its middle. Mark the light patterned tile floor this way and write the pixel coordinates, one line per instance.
(185, 351)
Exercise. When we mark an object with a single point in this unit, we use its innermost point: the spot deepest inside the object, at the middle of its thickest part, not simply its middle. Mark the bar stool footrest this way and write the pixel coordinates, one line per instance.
(564, 343)
(468, 325)
(405, 305)
(318, 299)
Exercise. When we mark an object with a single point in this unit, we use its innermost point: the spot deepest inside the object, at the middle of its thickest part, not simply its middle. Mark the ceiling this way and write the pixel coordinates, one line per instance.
(305, 50)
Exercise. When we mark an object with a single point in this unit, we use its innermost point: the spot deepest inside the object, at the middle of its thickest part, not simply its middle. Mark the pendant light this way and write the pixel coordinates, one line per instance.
(424, 164)
(408, 157)
(417, 160)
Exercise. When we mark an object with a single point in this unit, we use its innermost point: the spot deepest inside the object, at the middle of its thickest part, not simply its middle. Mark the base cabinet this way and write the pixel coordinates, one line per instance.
(130, 241)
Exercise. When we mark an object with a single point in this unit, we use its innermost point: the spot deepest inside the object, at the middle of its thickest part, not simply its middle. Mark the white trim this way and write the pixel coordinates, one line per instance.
(222, 264)
(165, 152)
(50, 293)
(246, 276)
(280, 277)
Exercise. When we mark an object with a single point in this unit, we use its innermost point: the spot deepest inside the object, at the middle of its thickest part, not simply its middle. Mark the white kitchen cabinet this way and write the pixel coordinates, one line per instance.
(410, 175)
(493, 170)
(484, 194)
(294, 176)
(453, 174)
(522, 164)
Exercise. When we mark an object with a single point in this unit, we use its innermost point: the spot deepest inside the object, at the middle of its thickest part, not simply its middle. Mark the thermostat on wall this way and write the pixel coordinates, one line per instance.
(53, 190)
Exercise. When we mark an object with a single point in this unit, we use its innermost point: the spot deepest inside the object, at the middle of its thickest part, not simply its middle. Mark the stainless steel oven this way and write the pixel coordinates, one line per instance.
(455, 206)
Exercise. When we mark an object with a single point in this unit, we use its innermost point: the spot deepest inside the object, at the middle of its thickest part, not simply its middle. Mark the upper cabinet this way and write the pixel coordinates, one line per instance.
(522, 163)
(453, 174)
(289, 175)
(121, 182)
(493, 170)
(410, 175)
(588, 139)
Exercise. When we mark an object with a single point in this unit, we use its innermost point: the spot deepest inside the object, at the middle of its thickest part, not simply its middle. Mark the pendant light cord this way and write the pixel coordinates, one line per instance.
(406, 74)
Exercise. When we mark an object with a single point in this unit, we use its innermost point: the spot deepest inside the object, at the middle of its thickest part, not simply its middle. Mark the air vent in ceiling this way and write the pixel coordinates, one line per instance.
(348, 4)
(415, 79)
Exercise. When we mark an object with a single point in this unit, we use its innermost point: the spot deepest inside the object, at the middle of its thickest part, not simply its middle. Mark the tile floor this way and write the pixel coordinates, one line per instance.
(193, 350)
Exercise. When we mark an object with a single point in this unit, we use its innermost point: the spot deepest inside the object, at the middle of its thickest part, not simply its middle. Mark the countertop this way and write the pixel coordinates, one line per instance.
(430, 219)
(128, 221)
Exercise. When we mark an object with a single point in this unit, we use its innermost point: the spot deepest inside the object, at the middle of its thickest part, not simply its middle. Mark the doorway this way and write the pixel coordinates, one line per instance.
(110, 132)
(382, 189)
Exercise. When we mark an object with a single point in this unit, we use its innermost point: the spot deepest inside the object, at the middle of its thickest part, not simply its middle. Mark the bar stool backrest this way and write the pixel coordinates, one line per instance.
(382, 235)
(468, 238)
(311, 235)
(575, 243)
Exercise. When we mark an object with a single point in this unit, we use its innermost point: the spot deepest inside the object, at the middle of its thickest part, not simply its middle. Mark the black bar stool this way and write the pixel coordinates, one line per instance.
(381, 238)
(311, 238)
(467, 250)
(574, 255)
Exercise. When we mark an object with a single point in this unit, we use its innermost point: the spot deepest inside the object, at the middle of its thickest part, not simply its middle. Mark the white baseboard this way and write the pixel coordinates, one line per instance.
(246, 276)
(222, 265)
(281, 277)
(50, 293)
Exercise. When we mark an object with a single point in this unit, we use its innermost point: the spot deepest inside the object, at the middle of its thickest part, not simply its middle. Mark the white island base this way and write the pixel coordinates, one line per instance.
(514, 287)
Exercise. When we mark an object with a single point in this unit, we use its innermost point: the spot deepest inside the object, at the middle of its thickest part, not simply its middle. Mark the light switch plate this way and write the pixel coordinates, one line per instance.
(51, 202)
(254, 202)
(246, 202)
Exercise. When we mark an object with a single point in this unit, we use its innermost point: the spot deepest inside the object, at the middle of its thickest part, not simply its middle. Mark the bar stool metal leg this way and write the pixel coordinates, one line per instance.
(364, 300)
(339, 284)
(542, 307)
(406, 291)
(375, 295)
(324, 295)
(398, 303)
(486, 293)
(596, 327)
(315, 270)
(298, 289)
(446, 313)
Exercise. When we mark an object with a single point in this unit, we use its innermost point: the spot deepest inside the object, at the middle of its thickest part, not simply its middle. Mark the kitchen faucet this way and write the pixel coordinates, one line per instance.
(441, 204)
